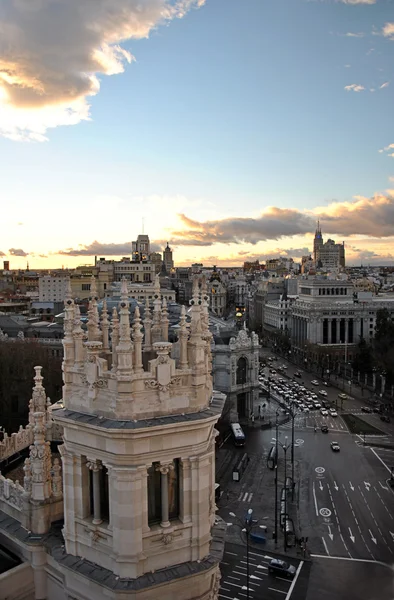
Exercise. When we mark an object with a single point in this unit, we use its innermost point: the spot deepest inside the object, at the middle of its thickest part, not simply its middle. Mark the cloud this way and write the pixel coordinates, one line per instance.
(273, 224)
(52, 53)
(387, 150)
(384, 85)
(2, 253)
(388, 30)
(358, 1)
(98, 249)
(354, 87)
(354, 35)
(17, 252)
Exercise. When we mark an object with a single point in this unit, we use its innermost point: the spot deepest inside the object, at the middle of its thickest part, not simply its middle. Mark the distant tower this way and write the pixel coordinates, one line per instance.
(317, 243)
(167, 259)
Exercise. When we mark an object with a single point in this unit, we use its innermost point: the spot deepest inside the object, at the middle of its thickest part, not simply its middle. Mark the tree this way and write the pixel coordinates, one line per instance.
(17, 361)
(363, 361)
(383, 342)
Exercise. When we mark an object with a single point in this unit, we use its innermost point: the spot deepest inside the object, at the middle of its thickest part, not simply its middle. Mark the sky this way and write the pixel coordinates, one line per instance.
(225, 127)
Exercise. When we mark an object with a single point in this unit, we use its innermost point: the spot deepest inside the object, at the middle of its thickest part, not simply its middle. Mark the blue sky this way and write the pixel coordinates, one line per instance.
(235, 107)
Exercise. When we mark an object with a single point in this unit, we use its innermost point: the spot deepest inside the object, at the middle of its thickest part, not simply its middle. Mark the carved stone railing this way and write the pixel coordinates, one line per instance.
(16, 442)
(12, 493)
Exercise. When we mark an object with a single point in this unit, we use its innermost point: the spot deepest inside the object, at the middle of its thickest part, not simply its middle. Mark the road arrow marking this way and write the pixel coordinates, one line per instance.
(383, 486)
(330, 535)
(351, 487)
(367, 485)
(351, 535)
(392, 535)
(335, 486)
(372, 538)
(321, 485)
(254, 577)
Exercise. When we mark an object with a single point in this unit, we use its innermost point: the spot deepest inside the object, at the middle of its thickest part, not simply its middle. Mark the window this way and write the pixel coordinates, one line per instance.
(241, 370)
(86, 287)
(154, 492)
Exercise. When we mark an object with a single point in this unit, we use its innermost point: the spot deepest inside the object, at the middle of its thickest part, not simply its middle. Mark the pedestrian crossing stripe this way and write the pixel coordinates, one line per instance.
(245, 497)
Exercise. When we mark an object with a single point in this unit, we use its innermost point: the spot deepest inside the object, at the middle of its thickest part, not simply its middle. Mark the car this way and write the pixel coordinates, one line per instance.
(342, 396)
(333, 412)
(324, 429)
(323, 393)
(376, 410)
(366, 409)
(324, 412)
(335, 447)
(297, 374)
(281, 567)
(385, 418)
(314, 382)
(317, 405)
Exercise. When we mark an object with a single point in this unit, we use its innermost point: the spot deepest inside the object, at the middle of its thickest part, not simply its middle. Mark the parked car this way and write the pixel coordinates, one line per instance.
(297, 374)
(335, 447)
(314, 382)
(366, 409)
(282, 568)
(324, 429)
(323, 393)
(333, 412)
(324, 412)
(385, 418)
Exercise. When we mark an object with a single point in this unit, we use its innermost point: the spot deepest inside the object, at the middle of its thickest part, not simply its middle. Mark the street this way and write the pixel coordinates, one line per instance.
(261, 583)
(345, 503)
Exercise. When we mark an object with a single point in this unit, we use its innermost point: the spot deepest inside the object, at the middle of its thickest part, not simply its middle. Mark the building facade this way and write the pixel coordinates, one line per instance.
(235, 372)
(130, 508)
(329, 256)
(52, 288)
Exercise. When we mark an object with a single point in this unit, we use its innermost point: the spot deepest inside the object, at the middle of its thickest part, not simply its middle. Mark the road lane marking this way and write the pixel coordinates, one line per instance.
(351, 487)
(232, 577)
(381, 460)
(325, 512)
(383, 486)
(330, 535)
(314, 498)
(291, 588)
(240, 496)
(358, 526)
(372, 537)
(325, 546)
(351, 536)
(367, 485)
(245, 496)
(347, 550)
(320, 485)
(275, 590)
(335, 486)
(364, 560)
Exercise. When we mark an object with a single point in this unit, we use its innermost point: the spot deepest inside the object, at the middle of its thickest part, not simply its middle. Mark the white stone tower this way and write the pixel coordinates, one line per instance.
(138, 457)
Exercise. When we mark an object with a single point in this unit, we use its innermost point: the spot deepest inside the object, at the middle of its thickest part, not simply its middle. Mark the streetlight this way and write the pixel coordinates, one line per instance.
(276, 475)
(285, 447)
(247, 524)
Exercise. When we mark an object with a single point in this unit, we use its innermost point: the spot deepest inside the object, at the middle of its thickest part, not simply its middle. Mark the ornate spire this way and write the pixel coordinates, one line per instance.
(105, 326)
(124, 348)
(78, 335)
(137, 339)
(68, 292)
(39, 399)
(164, 321)
(124, 292)
(40, 458)
(93, 288)
(183, 337)
(57, 482)
(115, 337)
(147, 326)
(195, 302)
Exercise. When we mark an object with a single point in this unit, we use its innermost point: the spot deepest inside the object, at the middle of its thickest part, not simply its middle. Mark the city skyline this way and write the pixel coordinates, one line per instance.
(225, 128)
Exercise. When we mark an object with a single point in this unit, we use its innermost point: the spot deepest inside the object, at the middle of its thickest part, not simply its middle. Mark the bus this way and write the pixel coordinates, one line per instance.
(237, 434)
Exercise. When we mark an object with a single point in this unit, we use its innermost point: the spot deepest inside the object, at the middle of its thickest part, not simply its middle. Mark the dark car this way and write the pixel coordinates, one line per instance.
(297, 374)
(366, 409)
(335, 447)
(376, 410)
(324, 429)
(282, 568)
(385, 418)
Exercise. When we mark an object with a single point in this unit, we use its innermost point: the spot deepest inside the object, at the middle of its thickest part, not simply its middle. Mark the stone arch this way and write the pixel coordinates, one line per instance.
(242, 370)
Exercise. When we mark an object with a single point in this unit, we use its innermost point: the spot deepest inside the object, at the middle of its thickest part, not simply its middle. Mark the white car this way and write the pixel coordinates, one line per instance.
(324, 412)
(314, 382)
(333, 412)
(323, 393)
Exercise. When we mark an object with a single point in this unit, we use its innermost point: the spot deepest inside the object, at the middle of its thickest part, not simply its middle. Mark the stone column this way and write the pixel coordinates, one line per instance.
(346, 340)
(164, 470)
(95, 467)
(329, 331)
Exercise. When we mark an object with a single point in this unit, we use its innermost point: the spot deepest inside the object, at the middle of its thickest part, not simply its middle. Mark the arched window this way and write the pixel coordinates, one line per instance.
(242, 366)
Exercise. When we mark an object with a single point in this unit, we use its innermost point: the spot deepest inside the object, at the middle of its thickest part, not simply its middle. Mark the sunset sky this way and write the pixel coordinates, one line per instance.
(227, 126)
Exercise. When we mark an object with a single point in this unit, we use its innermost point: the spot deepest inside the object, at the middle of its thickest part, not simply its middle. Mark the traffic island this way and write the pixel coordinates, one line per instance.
(359, 426)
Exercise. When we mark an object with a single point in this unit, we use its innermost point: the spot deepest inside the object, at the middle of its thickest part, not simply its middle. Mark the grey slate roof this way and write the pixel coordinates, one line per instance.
(54, 544)
(214, 409)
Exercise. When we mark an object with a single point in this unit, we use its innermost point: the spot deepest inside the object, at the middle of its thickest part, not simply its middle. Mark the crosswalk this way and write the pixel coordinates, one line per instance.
(245, 497)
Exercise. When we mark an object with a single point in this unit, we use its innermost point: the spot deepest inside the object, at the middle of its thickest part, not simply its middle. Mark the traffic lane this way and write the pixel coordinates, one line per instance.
(349, 580)
(334, 424)
(261, 583)
(343, 481)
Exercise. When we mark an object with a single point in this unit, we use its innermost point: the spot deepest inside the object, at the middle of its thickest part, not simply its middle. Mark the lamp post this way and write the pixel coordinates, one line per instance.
(276, 475)
(285, 447)
(246, 524)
